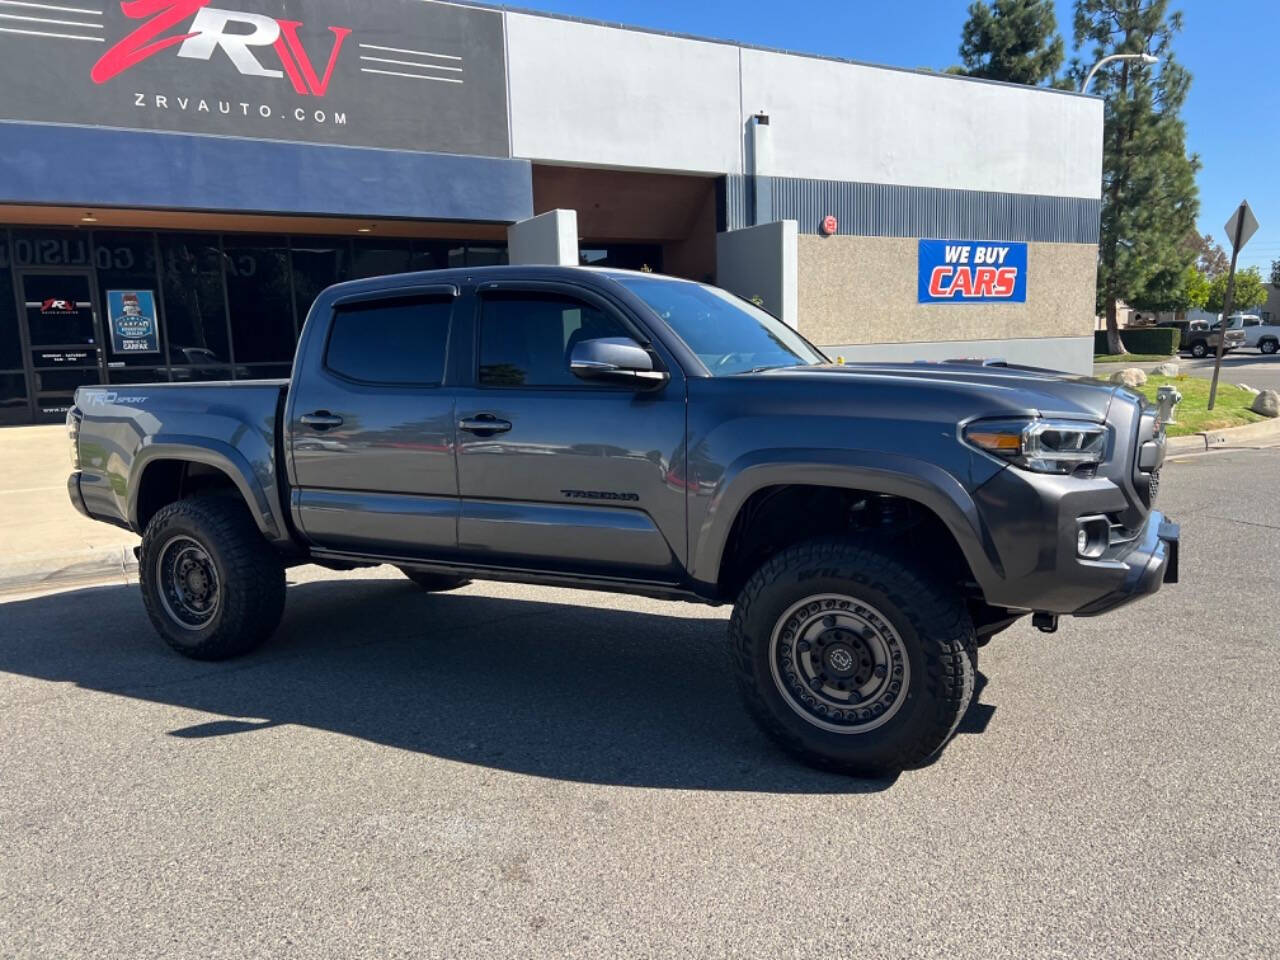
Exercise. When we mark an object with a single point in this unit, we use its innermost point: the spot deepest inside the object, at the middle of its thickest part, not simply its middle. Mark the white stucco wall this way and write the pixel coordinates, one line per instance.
(591, 95)
(842, 121)
(583, 93)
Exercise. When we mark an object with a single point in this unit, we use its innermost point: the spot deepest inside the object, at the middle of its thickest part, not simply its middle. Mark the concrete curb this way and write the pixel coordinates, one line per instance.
(102, 565)
(1250, 433)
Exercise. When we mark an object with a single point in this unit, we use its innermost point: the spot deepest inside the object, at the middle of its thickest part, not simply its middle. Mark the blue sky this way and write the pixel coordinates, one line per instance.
(1230, 112)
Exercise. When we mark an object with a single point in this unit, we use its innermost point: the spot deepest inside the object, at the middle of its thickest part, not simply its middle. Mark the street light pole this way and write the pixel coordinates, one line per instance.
(1144, 57)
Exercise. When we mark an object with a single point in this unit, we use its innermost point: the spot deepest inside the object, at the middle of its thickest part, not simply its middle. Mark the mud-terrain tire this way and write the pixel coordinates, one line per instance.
(1199, 349)
(212, 585)
(827, 606)
(434, 582)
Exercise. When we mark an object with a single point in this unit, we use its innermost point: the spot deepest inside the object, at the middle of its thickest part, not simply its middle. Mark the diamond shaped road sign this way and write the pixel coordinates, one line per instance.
(1247, 229)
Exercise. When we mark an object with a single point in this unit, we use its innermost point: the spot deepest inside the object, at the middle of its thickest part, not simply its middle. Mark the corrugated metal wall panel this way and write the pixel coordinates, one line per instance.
(891, 210)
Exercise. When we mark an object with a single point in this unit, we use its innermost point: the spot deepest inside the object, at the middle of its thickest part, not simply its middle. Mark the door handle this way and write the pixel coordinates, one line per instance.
(320, 420)
(484, 425)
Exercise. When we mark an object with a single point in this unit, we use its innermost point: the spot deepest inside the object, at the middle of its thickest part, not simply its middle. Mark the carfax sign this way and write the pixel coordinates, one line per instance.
(131, 314)
(972, 271)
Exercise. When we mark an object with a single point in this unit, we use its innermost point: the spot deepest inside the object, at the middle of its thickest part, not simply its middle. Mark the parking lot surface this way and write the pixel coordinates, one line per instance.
(526, 772)
(1240, 366)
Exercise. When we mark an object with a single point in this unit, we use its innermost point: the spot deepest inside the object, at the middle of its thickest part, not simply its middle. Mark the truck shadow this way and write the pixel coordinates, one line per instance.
(566, 691)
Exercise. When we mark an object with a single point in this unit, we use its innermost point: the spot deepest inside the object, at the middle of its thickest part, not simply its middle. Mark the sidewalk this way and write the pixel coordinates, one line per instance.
(44, 542)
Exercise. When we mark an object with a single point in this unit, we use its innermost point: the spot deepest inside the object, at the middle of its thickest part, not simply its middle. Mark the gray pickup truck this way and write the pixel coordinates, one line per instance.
(872, 524)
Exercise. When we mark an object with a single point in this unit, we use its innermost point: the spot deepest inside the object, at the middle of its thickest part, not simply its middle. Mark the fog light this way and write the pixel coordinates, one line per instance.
(1093, 536)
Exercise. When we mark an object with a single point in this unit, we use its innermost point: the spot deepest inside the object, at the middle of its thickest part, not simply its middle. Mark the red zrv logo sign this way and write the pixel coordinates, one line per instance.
(246, 38)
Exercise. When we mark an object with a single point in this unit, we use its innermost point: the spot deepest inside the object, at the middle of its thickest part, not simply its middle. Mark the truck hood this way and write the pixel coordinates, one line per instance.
(1049, 392)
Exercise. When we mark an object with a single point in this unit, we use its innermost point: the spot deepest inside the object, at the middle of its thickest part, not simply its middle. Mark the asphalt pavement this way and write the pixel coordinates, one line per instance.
(510, 771)
(1248, 367)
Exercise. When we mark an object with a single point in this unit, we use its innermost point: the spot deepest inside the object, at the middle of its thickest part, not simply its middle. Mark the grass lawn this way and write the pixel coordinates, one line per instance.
(1231, 410)
(1130, 358)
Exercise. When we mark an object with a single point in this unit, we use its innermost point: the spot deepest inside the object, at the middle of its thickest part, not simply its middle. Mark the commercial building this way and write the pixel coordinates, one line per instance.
(178, 181)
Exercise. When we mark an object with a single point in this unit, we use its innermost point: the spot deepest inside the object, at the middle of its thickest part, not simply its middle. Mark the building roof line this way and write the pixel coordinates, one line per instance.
(742, 45)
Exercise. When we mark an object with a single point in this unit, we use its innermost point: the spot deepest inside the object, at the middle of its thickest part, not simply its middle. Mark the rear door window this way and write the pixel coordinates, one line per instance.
(395, 341)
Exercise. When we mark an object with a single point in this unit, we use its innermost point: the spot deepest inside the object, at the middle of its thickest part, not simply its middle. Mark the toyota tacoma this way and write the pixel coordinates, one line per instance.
(873, 525)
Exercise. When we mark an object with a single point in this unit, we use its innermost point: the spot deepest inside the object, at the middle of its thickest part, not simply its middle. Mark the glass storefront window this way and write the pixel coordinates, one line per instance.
(377, 258)
(194, 307)
(51, 248)
(126, 266)
(10, 335)
(260, 298)
(318, 262)
(226, 306)
(430, 255)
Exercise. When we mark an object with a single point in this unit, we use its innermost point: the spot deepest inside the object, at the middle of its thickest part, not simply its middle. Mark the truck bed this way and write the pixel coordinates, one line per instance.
(231, 426)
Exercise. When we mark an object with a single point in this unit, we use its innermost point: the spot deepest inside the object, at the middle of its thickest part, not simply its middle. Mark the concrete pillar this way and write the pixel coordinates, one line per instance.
(549, 238)
(762, 262)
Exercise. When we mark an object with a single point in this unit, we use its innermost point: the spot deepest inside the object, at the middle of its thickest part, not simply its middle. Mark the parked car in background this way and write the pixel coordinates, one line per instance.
(1200, 340)
(1264, 336)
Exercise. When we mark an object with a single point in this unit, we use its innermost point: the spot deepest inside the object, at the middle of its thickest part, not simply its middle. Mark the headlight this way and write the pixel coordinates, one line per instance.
(1044, 446)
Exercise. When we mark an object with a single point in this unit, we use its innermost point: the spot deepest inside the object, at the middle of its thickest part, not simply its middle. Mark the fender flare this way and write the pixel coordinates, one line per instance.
(257, 492)
(874, 471)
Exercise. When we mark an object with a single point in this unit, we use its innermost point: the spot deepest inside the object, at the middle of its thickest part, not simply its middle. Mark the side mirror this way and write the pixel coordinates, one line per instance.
(615, 360)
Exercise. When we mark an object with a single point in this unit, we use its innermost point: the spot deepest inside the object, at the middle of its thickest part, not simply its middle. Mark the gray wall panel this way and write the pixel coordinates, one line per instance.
(891, 210)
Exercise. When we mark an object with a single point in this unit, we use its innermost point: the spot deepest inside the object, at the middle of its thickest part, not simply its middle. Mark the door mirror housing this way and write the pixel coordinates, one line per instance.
(616, 360)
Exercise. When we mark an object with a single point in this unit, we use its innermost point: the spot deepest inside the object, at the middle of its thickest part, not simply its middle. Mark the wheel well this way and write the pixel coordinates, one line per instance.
(166, 481)
(778, 517)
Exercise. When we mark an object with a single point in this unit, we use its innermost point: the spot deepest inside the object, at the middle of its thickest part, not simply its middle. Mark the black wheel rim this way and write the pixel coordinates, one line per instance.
(188, 583)
(839, 663)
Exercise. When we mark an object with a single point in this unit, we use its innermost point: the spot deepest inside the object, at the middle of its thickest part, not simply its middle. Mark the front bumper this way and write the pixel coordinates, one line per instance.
(1150, 564)
(1033, 522)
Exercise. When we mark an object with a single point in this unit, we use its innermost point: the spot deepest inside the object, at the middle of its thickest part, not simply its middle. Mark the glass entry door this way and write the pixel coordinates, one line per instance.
(65, 335)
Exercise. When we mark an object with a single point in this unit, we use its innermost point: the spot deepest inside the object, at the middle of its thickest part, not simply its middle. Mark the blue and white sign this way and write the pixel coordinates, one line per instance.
(131, 314)
(972, 271)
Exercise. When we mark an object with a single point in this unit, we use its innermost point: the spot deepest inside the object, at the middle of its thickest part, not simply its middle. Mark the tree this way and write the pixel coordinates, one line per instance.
(1149, 197)
(1173, 290)
(1275, 273)
(1012, 40)
(1250, 290)
(1211, 259)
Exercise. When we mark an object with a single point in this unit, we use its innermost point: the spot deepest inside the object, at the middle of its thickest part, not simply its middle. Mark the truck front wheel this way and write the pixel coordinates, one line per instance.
(1199, 349)
(851, 659)
(213, 587)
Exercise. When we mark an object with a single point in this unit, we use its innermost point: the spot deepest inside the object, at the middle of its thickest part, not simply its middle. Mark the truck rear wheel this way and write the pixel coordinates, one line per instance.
(212, 585)
(1268, 346)
(851, 659)
(434, 582)
(1199, 349)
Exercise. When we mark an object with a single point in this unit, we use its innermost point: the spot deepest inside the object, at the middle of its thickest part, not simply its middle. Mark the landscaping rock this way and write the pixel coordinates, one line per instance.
(1129, 377)
(1267, 403)
(1169, 369)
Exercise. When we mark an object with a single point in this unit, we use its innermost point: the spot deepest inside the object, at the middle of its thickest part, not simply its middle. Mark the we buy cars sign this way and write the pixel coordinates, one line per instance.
(972, 271)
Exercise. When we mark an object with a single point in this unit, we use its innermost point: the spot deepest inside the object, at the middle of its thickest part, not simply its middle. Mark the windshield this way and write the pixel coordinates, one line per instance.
(729, 335)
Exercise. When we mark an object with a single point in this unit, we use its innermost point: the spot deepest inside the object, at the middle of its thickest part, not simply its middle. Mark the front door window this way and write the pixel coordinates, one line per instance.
(62, 328)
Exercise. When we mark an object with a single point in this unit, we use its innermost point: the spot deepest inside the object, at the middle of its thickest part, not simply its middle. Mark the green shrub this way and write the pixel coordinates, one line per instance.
(1157, 341)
